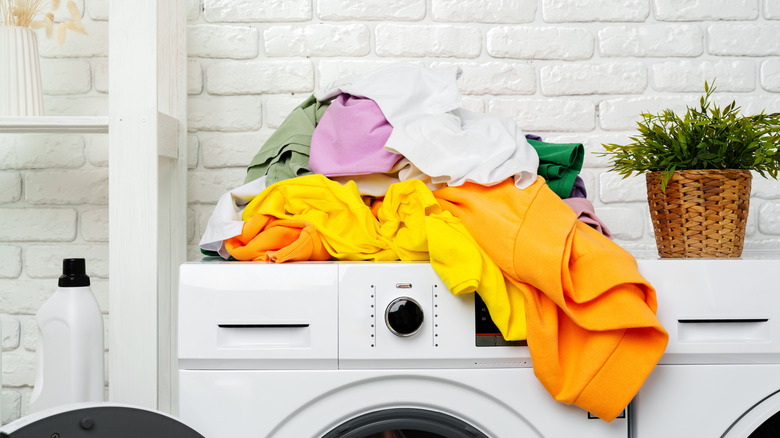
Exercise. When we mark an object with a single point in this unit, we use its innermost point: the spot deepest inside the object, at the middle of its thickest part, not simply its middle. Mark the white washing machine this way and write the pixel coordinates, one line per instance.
(305, 350)
(720, 374)
(370, 350)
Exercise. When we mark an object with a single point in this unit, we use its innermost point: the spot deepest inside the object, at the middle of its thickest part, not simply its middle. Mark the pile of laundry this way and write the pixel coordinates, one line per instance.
(388, 166)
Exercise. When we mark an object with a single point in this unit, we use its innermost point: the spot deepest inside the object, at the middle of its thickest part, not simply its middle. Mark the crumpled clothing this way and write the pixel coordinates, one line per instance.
(592, 330)
(579, 190)
(409, 225)
(286, 153)
(419, 229)
(377, 184)
(587, 214)
(559, 164)
(348, 229)
(266, 238)
(450, 144)
(350, 139)
(225, 220)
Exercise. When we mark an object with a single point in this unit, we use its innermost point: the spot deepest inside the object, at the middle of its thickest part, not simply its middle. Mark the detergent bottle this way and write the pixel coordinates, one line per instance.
(70, 343)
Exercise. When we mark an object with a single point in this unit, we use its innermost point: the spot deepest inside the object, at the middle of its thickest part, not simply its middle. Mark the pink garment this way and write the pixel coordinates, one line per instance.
(350, 139)
(587, 214)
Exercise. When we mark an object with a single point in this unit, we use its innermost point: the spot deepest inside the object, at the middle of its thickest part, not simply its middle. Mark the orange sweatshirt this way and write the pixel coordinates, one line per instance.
(591, 323)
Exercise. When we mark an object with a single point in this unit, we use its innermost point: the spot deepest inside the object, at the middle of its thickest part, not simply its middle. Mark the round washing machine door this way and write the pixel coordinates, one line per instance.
(405, 423)
(435, 403)
(761, 421)
(401, 403)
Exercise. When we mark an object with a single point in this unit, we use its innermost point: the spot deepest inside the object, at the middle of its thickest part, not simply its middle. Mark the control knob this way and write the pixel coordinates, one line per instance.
(404, 316)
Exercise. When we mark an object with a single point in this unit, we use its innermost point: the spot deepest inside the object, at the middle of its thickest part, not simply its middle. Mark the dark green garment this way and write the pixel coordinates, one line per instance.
(285, 154)
(559, 164)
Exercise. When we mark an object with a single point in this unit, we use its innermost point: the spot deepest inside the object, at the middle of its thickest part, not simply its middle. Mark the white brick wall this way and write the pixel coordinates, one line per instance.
(317, 40)
(701, 10)
(437, 40)
(654, 40)
(338, 10)
(535, 42)
(568, 70)
(562, 11)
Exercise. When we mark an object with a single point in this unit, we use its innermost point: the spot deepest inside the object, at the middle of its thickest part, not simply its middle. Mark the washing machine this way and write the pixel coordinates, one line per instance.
(380, 350)
(354, 350)
(720, 374)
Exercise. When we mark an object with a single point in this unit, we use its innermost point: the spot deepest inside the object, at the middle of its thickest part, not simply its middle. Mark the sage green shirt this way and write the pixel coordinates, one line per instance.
(285, 154)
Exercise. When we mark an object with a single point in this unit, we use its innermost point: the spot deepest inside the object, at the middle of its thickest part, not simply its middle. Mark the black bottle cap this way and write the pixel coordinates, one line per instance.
(74, 273)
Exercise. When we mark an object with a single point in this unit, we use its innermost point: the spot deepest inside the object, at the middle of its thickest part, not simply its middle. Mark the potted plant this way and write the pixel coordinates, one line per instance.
(20, 74)
(698, 173)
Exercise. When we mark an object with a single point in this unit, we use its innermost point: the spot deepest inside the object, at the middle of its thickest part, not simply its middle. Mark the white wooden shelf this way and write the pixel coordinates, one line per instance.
(147, 185)
(55, 124)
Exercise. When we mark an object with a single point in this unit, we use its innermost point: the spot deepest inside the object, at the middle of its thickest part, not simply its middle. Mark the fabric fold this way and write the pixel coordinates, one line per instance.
(350, 139)
(450, 144)
(559, 164)
(592, 330)
(286, 153)
(291, 218)
(265, 238)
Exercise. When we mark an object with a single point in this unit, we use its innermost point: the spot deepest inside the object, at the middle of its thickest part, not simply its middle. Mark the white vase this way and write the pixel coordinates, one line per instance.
(21, 93)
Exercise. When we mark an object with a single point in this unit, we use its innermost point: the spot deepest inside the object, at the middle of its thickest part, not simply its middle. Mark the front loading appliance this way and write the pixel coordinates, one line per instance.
(354, 350)
(720, 374)
(384, 350)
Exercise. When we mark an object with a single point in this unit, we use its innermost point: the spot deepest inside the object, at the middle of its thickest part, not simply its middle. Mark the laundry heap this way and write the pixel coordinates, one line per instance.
(388, 166)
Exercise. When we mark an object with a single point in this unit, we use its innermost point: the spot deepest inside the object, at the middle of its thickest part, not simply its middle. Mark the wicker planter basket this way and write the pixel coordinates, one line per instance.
(702, 214)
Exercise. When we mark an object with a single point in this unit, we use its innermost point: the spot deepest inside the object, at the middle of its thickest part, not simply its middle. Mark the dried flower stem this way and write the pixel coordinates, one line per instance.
(19, 12)
(23, 12)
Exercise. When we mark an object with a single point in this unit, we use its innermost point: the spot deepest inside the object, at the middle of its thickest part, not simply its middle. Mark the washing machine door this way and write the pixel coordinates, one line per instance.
(449, 403)
(405, 423)
(727, 401)
(761, 421)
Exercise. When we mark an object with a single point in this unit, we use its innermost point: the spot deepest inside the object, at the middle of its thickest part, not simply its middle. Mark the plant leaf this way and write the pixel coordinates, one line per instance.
(75, 28)
(74, 13)
(61, 30)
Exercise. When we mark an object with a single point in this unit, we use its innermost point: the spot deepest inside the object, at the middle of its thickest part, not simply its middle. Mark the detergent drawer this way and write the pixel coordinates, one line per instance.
(258, 316)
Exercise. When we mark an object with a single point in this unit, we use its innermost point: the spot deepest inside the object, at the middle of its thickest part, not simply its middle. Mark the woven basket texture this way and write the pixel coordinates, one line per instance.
(702, 213)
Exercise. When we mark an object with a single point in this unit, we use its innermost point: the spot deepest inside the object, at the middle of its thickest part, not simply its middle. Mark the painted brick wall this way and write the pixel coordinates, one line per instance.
(568, 70)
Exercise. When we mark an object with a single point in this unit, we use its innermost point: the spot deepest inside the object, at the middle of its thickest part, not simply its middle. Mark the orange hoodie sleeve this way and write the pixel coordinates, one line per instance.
(591, 323)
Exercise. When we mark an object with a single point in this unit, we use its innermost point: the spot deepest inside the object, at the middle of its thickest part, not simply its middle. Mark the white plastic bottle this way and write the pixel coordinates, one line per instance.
(70, 343)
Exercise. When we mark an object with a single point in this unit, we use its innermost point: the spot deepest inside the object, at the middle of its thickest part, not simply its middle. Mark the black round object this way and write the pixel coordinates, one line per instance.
(404, 316)
(87, 423)
(104, 422)
(74, 273)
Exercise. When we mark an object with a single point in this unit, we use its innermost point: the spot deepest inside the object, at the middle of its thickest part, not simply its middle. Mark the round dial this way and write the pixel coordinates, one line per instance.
(404, 316)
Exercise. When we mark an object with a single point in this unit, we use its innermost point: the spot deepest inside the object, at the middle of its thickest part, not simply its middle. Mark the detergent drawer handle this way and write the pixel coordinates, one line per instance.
(252, 336)
(722, 321)
(725, 330)
(261, 325)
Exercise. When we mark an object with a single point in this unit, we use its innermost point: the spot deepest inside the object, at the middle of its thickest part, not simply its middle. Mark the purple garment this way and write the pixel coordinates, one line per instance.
(350, 139)
(578, 191)
(533, 137)
(585, 213)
